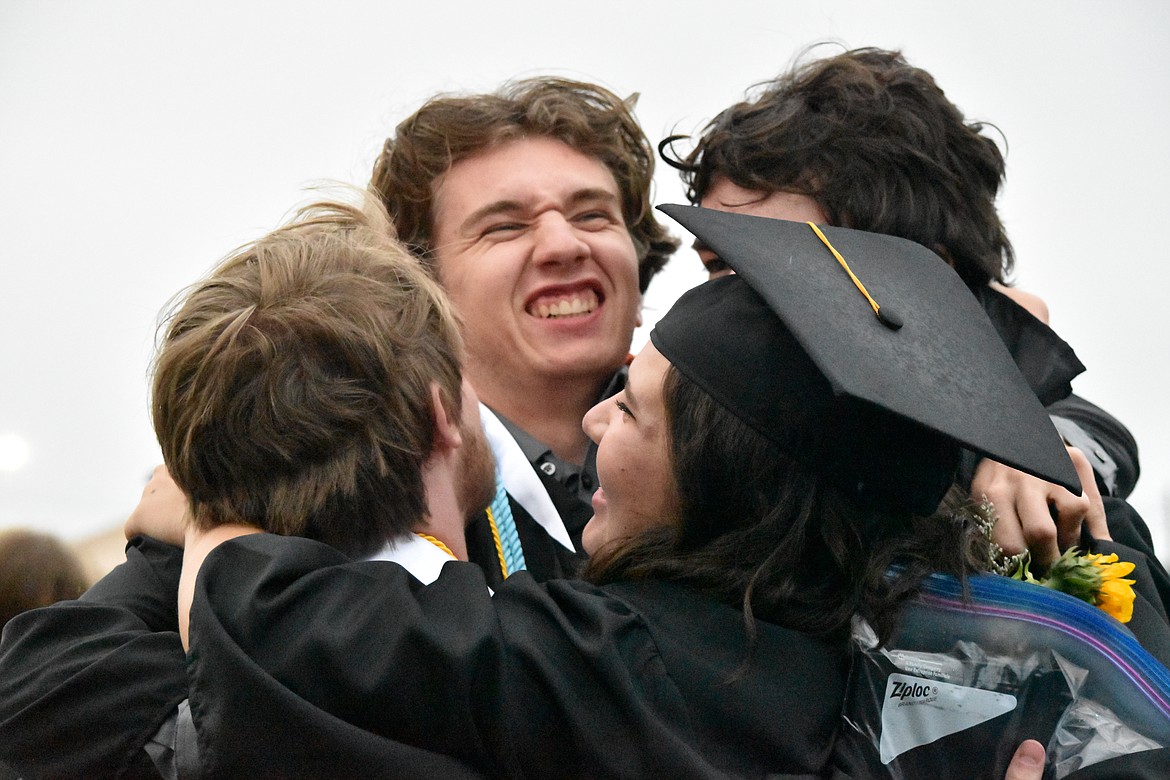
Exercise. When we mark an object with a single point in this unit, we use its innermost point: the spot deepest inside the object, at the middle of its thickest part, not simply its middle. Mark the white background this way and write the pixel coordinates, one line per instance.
(142, 141)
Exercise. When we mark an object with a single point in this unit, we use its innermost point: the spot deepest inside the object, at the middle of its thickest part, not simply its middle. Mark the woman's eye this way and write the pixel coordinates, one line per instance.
(624, 409)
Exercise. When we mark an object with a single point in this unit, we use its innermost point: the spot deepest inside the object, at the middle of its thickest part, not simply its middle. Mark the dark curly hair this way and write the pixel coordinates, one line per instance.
(450, 128)
(880, 148)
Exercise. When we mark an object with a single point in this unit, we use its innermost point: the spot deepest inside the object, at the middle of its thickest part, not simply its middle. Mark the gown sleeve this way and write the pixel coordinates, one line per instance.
(288, 639)
(85, 684)
(1049, 364)
(1131, 542)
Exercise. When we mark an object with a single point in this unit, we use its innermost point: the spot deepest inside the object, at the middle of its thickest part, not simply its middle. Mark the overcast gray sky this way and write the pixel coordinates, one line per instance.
(142, 141)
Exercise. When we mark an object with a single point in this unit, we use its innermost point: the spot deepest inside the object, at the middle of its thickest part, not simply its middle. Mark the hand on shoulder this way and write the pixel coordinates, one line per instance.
(162, 513)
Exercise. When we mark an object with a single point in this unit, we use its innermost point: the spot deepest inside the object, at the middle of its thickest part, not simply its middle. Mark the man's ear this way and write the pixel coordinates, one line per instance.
(447, 438)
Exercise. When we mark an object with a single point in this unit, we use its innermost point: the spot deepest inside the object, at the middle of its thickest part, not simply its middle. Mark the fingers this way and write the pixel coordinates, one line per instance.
(990, 482)
(1008, 532)
(1032, 514)
(1041, 528)
(1021, 506)
(1095, 521)
(1068, 512)
(161, 512)
(1027, 763)
(1037, 515)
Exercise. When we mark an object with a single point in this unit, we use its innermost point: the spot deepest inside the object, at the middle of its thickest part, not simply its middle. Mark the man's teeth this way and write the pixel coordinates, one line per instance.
(567, 308)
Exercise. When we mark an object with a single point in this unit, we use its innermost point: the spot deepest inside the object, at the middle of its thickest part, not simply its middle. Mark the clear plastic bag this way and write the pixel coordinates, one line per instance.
(961, 684)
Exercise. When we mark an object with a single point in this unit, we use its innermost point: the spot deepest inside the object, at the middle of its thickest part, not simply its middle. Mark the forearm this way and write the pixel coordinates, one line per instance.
(84, 684)
(73, 707)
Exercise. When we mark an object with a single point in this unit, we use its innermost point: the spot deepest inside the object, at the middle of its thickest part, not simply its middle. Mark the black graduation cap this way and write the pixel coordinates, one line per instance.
(874, 368)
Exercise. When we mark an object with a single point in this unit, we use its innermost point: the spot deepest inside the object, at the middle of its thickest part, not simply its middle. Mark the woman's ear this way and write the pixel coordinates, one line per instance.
(447, 437)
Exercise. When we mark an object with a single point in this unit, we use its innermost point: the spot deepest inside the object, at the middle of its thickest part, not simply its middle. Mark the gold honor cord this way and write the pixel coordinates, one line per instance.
(436, 542)
(496, 540)
(889, 319)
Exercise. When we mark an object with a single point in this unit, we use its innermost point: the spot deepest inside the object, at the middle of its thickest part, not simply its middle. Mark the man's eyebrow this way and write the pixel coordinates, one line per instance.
(592, 194)
(699, 246)
(491, 210)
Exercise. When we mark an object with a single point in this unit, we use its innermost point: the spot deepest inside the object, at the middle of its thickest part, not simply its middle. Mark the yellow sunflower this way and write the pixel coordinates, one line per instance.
(1114, 593)
(1097, 579)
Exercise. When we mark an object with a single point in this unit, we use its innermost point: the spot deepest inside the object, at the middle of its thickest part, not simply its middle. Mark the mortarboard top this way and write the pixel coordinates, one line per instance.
(794, 348)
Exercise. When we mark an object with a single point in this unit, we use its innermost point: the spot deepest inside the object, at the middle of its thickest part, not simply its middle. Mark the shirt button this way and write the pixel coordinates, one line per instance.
(548, 468)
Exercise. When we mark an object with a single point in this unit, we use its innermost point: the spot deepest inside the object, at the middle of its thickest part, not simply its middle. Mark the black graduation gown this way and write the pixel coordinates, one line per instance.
(1049, 365)
(1151, 607)
(557, 680)
(85, 684)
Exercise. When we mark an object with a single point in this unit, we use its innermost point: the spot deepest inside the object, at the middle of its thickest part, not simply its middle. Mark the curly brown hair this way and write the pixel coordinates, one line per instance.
(450, 128)
(877, 144)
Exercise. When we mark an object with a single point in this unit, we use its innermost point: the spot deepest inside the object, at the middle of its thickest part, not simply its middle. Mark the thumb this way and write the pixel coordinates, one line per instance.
(1027, 763)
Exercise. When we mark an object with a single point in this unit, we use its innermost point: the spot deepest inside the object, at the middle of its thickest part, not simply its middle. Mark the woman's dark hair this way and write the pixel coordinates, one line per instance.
(756, 529)
(877, 144)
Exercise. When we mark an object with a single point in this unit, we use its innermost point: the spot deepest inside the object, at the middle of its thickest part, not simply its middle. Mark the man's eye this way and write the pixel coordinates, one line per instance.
(593, 218)
(502, 228)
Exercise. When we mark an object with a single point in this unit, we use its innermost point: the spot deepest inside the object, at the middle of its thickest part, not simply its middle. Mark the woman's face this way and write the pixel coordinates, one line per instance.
(637, 488)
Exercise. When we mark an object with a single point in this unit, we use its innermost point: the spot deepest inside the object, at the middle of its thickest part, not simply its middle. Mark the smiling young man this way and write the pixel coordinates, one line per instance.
(533, 250)
(531, 206)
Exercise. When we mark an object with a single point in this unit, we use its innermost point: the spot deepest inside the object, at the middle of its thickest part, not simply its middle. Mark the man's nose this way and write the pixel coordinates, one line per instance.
(558, 241)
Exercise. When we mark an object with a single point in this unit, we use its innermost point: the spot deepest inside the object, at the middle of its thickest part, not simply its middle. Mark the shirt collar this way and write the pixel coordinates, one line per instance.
(537, 452)
(422, 559)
